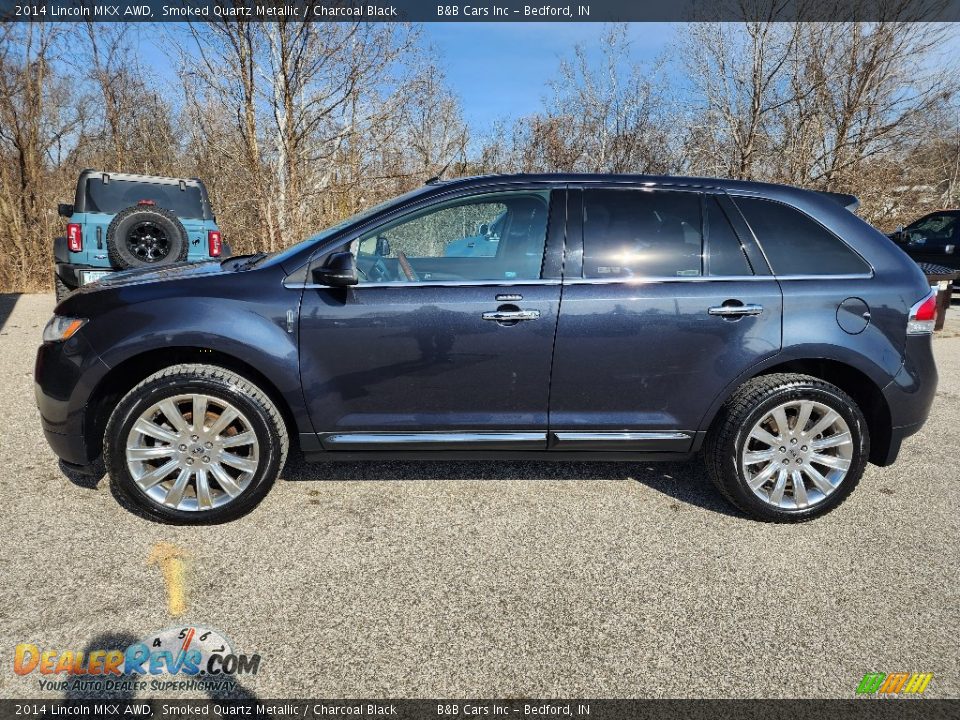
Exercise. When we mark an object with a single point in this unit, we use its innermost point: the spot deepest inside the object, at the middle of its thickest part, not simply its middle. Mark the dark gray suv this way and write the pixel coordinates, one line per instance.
(766, 328)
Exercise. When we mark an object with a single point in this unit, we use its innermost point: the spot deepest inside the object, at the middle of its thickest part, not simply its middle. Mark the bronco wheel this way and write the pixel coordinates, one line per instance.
(195, 444)
(787, 447)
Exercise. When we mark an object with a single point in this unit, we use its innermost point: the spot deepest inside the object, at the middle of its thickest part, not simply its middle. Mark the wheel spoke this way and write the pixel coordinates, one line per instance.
(241, 463)
(226, 417)
(172, 413)
(831, 461)
(841, 438)
(244, 438)
(803, 417)
(228, 484)
(150, 453)
(780, 418)
(155, 476)
(776, 495)
(145, 427)
(823, 485)
(199, 412)
(175, 493)
(204, 500)
(763, 436)
(760, 478)
(754, 457)
(799, 489)
(828, 419)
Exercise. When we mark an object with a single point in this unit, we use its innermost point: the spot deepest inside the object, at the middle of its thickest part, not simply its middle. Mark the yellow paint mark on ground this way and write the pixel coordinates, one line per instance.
(170, 559)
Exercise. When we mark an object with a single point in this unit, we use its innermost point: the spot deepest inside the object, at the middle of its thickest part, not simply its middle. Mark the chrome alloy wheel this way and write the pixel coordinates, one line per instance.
(797, 454)
(192, 452)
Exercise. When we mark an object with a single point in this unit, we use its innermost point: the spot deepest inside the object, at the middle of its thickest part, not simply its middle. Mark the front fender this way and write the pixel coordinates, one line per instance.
(247, 321)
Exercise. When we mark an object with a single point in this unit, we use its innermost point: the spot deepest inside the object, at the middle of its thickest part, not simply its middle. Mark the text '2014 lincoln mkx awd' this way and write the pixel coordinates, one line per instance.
(561, 317)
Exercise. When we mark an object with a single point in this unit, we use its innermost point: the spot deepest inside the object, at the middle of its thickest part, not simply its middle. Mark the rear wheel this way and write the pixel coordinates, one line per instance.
(787, 447)
(195, 444)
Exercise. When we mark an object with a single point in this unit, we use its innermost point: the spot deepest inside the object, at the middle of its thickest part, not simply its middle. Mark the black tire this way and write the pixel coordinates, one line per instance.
(61, 288)
(173, 247)
(729, 433)
(257, 407)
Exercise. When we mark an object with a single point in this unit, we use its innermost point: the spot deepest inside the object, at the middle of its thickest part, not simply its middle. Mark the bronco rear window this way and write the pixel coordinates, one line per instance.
(117, 195)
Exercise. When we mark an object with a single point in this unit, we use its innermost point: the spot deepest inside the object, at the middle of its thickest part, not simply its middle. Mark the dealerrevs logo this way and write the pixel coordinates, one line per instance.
(187, 651)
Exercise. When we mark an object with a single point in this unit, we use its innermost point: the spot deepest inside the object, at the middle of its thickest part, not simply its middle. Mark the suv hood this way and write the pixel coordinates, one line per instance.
(136, 276)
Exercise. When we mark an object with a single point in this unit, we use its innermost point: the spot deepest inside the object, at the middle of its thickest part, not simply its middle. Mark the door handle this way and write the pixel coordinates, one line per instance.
(511, 315)
(735, 310)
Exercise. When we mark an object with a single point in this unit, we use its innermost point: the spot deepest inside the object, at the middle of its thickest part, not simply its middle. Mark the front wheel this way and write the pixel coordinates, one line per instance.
(195, 444)
(787, 447)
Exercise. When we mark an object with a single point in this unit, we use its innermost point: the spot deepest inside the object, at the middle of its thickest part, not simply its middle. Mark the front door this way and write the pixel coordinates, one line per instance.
(668, 308)
(447, 340)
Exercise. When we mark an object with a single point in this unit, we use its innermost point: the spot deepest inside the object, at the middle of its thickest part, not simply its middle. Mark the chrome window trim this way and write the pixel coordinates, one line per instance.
(427, 283)
(433, 437)
(707, 278)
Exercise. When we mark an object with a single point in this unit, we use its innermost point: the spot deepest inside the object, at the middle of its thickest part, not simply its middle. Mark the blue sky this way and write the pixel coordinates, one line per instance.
(501, 70)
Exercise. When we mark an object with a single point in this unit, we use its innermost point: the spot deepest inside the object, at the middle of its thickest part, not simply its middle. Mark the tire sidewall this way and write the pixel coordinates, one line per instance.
(134, 404)
(125, 221)
(801, 390)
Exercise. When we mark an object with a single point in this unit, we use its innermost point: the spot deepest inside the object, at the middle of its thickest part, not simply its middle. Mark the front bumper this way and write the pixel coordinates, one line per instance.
(65, 375)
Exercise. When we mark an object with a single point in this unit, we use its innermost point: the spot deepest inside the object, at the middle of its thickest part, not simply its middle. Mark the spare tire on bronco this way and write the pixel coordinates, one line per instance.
(145, 236)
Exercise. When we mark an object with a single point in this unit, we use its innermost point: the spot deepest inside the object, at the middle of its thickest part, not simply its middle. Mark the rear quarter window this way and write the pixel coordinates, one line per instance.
(796, 244)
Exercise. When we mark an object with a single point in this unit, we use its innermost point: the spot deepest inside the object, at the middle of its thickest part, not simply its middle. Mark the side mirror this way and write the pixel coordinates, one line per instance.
(65, 209)
(484, 229)
(340, 270)
(383, 246)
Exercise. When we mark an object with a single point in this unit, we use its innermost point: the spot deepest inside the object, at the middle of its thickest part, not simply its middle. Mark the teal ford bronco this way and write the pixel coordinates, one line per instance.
(120, 221)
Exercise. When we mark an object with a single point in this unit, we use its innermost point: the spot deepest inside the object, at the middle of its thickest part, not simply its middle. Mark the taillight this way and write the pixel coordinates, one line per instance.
(74, 237)
(214, 244)
(923, 315)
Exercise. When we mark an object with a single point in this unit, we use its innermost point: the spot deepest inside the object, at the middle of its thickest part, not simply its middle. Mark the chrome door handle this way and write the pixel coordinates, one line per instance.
(735, 310)
(511, 315)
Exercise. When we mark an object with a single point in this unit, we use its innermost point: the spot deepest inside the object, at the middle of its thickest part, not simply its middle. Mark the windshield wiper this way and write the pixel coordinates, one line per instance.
(244, 261)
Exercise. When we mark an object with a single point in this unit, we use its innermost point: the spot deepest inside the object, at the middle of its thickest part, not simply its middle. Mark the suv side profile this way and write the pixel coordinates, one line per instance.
(765, 328)
(120, 221)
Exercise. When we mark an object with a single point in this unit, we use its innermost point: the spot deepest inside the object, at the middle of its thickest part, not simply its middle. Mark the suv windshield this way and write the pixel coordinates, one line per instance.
(117, 195)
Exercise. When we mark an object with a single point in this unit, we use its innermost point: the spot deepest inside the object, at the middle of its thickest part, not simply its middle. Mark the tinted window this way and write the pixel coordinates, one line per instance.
(117, 195)
(796, 244)
(636, 233)
(484, 237)
(725, 254)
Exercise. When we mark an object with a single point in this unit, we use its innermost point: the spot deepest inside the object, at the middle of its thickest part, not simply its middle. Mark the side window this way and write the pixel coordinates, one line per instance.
(725, 254)
(483, 237)
(640, 233)
(795, 244)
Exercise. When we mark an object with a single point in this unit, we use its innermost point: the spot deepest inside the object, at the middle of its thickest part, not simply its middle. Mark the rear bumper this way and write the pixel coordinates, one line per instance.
(910, 394)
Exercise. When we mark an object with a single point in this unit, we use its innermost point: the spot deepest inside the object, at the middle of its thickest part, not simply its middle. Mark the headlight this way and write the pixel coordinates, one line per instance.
(61, 328)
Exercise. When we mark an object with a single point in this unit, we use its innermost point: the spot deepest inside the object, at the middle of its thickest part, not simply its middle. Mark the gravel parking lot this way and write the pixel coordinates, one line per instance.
(495, 579)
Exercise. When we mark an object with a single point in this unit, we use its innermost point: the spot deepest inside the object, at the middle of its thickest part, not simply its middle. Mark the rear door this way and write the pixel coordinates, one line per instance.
(663, 306)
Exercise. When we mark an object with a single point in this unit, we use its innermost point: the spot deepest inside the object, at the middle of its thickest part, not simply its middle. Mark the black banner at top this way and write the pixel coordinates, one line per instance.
(476, 10)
